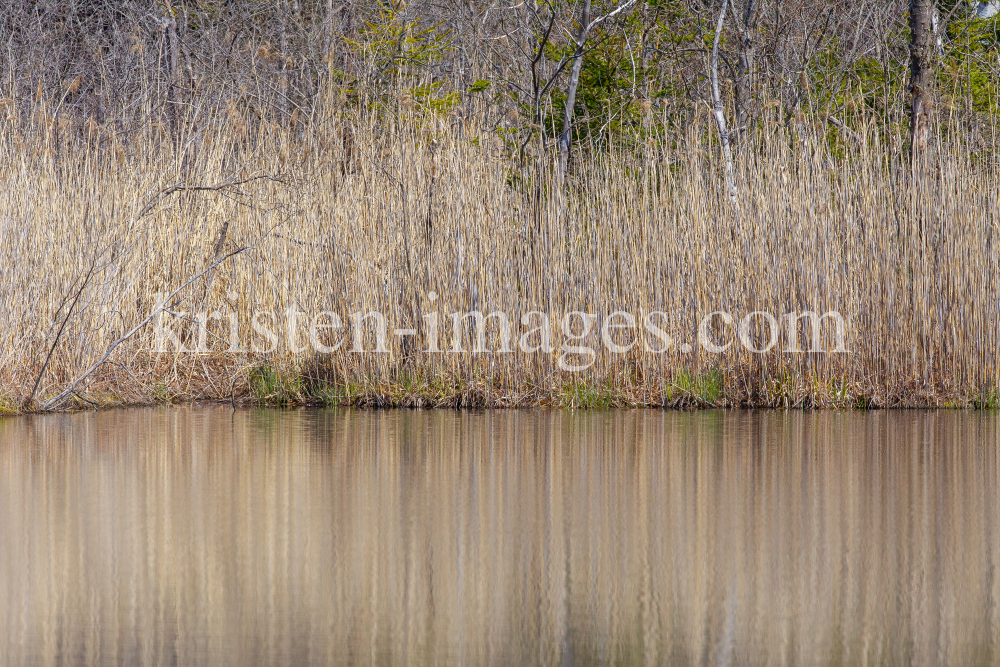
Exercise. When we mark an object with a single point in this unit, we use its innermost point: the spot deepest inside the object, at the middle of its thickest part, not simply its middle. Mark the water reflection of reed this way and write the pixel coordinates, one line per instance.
(203, 537)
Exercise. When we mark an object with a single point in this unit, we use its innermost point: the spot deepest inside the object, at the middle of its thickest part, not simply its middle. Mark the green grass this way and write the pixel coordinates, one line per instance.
(8, 406)
(689, 388)
(589, 396)
(271, 386)
(988, 400)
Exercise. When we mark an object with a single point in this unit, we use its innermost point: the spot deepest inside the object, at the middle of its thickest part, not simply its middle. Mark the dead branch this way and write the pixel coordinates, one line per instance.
(69, 391)
(184, 187)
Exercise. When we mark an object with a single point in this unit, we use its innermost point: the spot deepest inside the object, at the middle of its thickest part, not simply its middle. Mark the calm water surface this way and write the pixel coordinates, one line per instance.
(203, 536)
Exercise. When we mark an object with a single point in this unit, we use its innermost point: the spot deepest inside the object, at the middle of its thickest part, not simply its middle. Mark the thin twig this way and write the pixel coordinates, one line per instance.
(62, 327)
(183, 187)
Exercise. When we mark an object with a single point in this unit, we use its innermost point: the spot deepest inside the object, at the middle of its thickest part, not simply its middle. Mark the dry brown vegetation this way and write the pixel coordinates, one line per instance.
(371, 197)
(356, 215)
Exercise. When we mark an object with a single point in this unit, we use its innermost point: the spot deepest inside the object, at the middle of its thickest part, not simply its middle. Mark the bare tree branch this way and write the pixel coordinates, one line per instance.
(71, 389)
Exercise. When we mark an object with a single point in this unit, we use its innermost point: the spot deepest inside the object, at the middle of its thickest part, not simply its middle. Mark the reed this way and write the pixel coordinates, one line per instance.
(361, 209)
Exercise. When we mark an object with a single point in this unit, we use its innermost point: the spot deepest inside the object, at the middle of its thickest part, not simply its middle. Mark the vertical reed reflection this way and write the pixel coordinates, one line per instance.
(199, 536)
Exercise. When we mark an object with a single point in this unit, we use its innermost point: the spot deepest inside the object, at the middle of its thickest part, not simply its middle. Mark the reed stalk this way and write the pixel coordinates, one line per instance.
(357, 209)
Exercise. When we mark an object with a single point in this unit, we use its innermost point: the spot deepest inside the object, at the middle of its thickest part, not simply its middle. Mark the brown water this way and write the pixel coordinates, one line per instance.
(200, 536)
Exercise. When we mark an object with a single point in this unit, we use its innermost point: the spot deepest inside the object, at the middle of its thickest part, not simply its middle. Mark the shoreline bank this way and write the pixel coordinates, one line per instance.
(250, 385)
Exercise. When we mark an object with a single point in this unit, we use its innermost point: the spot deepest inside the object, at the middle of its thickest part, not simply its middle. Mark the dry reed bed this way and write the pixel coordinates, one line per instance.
(353, 212)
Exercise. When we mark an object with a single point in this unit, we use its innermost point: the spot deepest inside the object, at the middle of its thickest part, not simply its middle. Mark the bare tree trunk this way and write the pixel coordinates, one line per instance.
(718, 109)
(565, 141)
(744, 80)
(173, 53)
(922, 50)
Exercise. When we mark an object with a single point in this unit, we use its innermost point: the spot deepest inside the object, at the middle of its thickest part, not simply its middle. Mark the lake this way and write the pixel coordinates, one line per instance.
(207, 536)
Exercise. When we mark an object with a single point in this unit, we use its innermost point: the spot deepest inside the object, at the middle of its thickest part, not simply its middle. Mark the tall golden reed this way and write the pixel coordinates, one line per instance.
(369, 210)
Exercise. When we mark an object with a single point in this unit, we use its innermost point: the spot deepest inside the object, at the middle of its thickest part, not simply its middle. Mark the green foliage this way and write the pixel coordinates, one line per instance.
(707, 388)
(617, 87)
(863, 402)
(988, 400)
(395, 50)
(878, 87)
(429, 96)
(966, 75)
(161, 393)
(840, 392)
(269, 385)
(479, 86)
(588, 396)
(7, 405)
(391, 42)
(869, 87)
